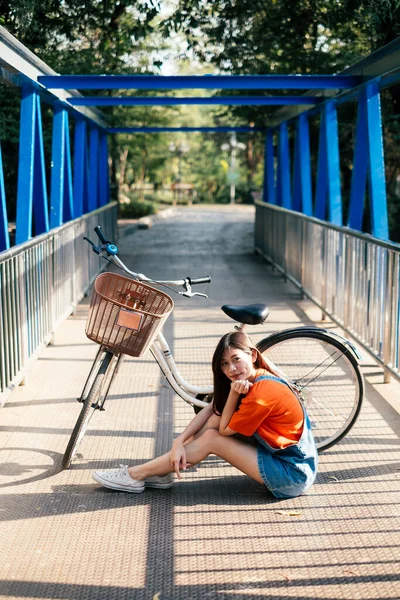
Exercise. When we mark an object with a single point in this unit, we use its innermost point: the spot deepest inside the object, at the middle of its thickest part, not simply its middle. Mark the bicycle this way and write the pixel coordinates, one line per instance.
(126, 316)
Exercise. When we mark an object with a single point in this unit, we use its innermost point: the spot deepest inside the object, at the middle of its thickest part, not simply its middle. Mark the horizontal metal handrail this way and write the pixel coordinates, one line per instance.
(353, 277)
(41, 281)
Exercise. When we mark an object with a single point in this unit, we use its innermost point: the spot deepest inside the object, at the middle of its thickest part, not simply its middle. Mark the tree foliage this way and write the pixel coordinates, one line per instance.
(301, 36)
(226, 36)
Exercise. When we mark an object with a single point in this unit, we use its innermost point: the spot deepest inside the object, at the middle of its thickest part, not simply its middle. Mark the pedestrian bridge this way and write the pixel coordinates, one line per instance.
(352, 277)
(216, 534)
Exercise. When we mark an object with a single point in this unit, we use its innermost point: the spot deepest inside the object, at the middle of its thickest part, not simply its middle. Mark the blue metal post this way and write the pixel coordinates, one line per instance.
(284, 167)
(333, 164)
(69, 213)
(379, 213)
(296, 189)
(4, 235)
(304, 158)
(269, 168)
(321, 184)
(31, 170)
(80, 169)
(328, 171)
(61, 208)
(104, 188)
(360, 166)
(93, 167)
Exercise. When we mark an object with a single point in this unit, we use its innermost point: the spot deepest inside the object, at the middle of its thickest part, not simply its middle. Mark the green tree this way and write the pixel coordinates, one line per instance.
(301, 36)
(79, 37)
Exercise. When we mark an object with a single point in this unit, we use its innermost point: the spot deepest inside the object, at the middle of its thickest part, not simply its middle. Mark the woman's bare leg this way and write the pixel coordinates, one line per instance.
(211, 423)
(238, 454)
(161, 465)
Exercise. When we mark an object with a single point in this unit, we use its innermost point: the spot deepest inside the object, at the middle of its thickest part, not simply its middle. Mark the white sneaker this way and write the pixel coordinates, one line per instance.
(161, 482)
(119, 479)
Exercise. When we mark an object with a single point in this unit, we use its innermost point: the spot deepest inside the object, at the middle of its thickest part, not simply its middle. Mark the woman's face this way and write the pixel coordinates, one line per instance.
(238, 365)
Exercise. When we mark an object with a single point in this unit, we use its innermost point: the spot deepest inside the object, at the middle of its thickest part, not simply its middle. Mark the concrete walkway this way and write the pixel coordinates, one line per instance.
(216, 534)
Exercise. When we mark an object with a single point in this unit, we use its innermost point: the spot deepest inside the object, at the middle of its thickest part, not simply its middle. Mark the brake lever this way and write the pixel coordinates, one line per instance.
(95, 248)
(191, 294)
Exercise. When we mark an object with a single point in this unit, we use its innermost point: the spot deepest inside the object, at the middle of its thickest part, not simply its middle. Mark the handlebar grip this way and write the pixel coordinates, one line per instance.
(100, 234)
(198, 280)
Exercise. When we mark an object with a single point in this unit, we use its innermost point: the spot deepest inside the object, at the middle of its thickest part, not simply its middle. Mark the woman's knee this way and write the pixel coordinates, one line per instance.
(209, 437)
(213, 422)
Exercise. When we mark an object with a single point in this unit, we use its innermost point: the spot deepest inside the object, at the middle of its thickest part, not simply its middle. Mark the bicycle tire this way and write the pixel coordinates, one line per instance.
(327, 375)
(90, 404)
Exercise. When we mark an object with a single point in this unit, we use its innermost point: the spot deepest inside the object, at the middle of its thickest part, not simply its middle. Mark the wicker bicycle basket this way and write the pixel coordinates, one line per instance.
(126, 315)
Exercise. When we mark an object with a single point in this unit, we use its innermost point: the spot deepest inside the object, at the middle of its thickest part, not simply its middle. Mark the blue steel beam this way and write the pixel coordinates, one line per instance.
(81, 191)
(183, 129)
(176, 101)
(296, 188)
(61, 206)
(204, 82)
(4, 235)
(304, 158)
(321, 183)
(360, 166)
(328, 170)
(269, 193)
(335, 212)
(93, 168)
(104, 189)
(284, 197)
(32, 189)
(379, 214)
(369, 161)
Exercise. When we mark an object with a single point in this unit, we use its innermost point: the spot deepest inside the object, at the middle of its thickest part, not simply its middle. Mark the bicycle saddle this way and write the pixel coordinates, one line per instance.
(251, 314)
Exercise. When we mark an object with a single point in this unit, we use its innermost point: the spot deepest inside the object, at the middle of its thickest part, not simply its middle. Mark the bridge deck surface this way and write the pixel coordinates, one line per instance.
(216, 534)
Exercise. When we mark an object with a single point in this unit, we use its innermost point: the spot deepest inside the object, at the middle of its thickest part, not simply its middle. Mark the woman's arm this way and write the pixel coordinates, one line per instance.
(195, 424)
(237, 388)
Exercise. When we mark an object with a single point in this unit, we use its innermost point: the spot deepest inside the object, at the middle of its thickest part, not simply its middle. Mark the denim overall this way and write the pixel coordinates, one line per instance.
(290, 471)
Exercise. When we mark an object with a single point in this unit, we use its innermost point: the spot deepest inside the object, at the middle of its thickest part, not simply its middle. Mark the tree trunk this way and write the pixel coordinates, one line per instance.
(123, 161)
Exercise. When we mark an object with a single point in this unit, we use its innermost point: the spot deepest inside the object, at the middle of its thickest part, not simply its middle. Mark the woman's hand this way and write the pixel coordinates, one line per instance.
(177, 458)
(241, 386)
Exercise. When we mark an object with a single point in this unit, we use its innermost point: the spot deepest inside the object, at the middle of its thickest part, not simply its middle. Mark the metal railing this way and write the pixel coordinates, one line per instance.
(354, 278)
(41, 281)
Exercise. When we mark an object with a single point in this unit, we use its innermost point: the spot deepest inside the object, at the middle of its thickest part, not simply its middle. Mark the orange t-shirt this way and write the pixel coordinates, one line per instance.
(272, 410)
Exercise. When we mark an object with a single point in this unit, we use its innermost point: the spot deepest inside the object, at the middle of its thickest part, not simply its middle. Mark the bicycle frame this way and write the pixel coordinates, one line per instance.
(163, 356)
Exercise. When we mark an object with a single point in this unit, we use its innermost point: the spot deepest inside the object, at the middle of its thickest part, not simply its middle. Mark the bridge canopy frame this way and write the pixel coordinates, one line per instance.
(80, 184)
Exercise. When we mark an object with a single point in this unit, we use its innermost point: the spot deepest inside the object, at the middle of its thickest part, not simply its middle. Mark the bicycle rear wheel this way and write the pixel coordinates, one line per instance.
(327, 375)
(93, 399)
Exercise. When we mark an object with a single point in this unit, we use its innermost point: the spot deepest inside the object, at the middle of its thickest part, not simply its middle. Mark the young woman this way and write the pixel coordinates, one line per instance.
(250, 398)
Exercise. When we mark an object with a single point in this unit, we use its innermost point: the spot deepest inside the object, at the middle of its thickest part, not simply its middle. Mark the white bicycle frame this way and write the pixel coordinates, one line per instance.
(161, 351)
(163, 356)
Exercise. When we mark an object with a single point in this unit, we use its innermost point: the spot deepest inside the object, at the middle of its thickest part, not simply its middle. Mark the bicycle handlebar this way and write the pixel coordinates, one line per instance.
(112, 251)
(101, 235)
(198, 280)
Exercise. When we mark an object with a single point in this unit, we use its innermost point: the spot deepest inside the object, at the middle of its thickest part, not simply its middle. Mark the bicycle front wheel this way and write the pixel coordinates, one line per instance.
(327, 376)
(93, 401)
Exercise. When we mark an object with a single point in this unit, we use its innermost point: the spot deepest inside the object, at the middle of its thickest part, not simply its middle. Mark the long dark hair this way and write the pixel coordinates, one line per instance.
(222, 384)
